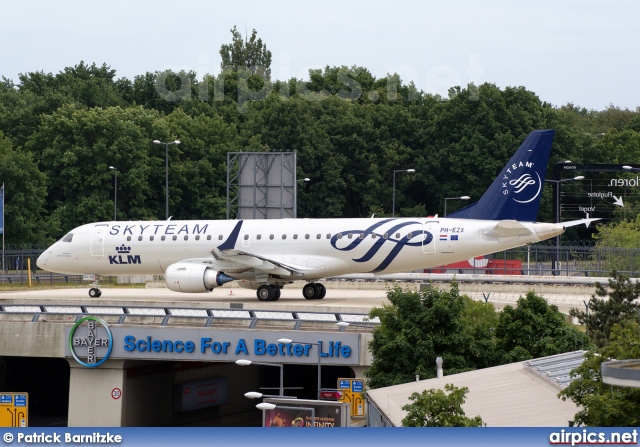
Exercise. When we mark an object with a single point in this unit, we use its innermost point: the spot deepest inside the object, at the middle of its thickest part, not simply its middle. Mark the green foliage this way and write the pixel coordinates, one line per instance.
(435, 408)
(249, 54)
(350, 129)
(604, 405)
(418, 327)
(535, 329)
(24, 195)
(610, 306)
(622, 234)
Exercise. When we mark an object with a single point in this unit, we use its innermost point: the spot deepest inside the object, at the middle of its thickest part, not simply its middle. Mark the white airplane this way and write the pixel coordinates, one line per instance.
(200, 255)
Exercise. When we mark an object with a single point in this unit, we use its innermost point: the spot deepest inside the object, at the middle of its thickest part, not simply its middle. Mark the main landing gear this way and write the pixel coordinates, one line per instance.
(314, 291)
(267, 292)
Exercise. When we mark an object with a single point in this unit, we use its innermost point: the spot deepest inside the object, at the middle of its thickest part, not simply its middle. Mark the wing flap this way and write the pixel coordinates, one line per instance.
(258, 262)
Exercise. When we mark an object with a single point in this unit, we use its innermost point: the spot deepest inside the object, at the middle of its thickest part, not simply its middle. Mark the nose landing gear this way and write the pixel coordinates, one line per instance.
(94, 291)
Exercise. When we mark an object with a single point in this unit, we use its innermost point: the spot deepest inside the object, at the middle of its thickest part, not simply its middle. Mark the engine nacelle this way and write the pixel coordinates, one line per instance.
(188, 277)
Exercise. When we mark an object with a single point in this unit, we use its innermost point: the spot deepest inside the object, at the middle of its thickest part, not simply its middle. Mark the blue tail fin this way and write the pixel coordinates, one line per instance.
(517, 191)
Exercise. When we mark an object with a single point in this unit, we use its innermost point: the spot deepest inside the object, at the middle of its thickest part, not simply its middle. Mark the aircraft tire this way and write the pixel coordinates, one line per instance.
(322, 289)
(276, 293)
(94, 292)
(310, 291)
(265, 292)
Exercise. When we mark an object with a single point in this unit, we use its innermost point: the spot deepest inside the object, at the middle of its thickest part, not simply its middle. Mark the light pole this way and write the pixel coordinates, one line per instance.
(115, 194)
(453, 198)
(393, 206)
(268, 406)
(166, 167)
(556, 270)
(243, 362)
(295, 198)
(287, 341)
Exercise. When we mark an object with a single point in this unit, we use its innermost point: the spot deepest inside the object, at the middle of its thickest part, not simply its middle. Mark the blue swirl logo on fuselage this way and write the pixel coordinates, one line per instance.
(423, 236)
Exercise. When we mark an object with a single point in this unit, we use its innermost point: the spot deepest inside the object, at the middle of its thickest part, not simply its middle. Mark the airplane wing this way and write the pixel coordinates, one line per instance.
(258, 262)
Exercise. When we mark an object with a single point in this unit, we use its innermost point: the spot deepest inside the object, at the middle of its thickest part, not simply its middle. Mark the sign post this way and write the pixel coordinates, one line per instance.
(14, 410)
(352, 391)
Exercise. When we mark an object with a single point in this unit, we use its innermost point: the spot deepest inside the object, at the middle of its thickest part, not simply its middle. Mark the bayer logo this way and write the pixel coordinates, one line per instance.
(90, 342)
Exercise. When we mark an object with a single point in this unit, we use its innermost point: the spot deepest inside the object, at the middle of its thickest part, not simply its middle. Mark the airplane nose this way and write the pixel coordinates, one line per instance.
(41, 262)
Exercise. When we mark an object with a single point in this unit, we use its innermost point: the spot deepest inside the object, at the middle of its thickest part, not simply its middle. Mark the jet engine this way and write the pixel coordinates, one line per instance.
(188, 277)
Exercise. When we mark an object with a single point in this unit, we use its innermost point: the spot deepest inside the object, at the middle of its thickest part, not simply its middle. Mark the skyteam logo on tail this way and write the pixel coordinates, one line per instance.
(523, 187)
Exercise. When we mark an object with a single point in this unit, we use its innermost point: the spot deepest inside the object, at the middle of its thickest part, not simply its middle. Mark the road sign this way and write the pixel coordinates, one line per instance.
(603, 192)
(352, 391)
(14, 410)
(116, 393)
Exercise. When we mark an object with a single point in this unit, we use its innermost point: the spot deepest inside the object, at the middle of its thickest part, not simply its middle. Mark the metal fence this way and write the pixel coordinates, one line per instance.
(542, 259)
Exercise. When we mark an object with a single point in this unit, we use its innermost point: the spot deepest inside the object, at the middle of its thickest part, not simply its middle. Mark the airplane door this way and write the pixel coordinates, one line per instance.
(246, 240)
(429, 237)
(97, 239)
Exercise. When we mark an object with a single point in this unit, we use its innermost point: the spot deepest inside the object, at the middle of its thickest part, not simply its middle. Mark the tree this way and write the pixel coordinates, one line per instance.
(605, 405)
(624, 234)
(25, 196)
(622, 304)
(535, 329)
(416, 328)
(248, 54)
(435, 408)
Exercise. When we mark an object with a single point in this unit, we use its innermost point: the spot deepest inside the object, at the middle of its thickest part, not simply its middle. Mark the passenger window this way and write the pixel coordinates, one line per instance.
(220, 237)
(271, 236)
(409, 236)
(139, 238)
(386, 236)
(295, 236)
(68, 238)
(208, 237)
(259, 237)
(150, 238)
(350, 236)
(339, 235)
(328, 236)
(128, 238)
(162, 238)
(197, 237)
(361, 236)
(306, 236)
(284, 236)
(175, 238)
(246, 237)
(397, 235)
(186, 238)
(318, 236)
(373, 235)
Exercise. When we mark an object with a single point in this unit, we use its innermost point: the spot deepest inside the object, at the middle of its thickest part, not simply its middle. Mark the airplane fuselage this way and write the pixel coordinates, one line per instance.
(314, 248)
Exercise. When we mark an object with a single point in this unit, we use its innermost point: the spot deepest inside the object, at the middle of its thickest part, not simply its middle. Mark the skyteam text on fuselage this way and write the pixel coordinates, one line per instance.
(198, 256)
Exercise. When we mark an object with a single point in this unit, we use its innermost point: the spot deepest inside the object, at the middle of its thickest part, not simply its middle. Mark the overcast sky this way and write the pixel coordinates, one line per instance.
(583, 52)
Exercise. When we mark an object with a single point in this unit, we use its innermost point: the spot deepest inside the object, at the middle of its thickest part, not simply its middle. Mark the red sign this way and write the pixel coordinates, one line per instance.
(116, 393)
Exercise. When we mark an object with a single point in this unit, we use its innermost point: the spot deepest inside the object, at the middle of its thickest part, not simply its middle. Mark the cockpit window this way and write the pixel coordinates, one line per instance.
(67, 238)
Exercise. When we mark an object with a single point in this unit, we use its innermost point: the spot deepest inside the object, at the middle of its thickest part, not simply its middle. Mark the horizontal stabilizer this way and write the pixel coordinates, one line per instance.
(508, 228)
(586, 222)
